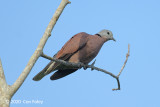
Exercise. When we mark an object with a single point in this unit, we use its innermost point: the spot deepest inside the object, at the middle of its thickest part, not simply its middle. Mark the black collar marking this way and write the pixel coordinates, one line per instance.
(99, 35)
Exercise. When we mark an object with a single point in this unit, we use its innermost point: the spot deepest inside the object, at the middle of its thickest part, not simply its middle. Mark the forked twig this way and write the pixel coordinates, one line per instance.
(117, 77)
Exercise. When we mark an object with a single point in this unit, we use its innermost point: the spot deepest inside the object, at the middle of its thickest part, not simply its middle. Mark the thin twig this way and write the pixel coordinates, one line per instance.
(114, 89)
(127, 55)
(118, 82)
(80, 65)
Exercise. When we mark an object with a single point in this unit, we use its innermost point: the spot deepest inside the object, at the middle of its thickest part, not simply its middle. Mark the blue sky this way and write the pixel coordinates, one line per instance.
(22, 24)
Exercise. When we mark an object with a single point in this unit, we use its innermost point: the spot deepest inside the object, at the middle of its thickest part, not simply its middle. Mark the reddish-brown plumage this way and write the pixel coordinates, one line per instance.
(76, 42)
(80, 48)
(89, 51)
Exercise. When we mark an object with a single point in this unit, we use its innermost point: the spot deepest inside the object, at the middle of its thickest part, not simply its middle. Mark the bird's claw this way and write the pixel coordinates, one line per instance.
(81, 65)
(84, 67)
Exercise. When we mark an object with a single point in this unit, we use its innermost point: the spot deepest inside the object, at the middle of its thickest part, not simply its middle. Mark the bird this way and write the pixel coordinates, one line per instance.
(82, 47)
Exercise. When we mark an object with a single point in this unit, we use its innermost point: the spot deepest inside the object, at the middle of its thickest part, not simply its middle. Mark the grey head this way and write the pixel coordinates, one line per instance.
(106, 34)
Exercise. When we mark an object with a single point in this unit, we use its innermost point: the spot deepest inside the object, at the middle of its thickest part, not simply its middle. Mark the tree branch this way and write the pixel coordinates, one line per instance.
(4, 88)
(80, 65)
(40, 47)
(127, 55)
(2, 76)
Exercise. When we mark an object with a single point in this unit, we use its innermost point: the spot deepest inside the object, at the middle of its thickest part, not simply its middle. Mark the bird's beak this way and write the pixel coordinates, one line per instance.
(113, 39)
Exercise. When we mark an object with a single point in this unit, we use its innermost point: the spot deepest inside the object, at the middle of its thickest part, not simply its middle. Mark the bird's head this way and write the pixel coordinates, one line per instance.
(106, 34)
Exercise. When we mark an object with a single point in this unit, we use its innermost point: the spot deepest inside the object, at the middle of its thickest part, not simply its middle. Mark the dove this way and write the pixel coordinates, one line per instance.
(82, 47)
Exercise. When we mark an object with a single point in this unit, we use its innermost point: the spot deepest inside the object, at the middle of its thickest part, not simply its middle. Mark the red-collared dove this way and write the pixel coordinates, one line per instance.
(82, 47)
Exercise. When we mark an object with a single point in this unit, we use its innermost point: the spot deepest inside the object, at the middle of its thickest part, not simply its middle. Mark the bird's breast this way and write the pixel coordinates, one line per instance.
(91, 49)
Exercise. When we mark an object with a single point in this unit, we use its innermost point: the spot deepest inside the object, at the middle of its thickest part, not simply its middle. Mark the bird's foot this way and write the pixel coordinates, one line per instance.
(82, 65)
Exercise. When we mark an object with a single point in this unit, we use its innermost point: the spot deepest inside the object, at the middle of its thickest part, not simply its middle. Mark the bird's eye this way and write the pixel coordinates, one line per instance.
(108, 33)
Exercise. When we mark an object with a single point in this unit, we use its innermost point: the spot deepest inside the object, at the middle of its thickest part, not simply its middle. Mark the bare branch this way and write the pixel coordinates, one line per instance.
(114, 89)
(39, 49)
(3, 88)
(2, 76)
(127, 55)
(80, 65)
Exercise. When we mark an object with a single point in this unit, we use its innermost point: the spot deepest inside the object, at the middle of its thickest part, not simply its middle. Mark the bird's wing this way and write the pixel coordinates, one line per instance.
(76, 43)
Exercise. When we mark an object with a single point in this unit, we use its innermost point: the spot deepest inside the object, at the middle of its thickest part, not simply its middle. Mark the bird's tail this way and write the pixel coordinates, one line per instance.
(62, 73)
(44, 72)
(39, 76)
